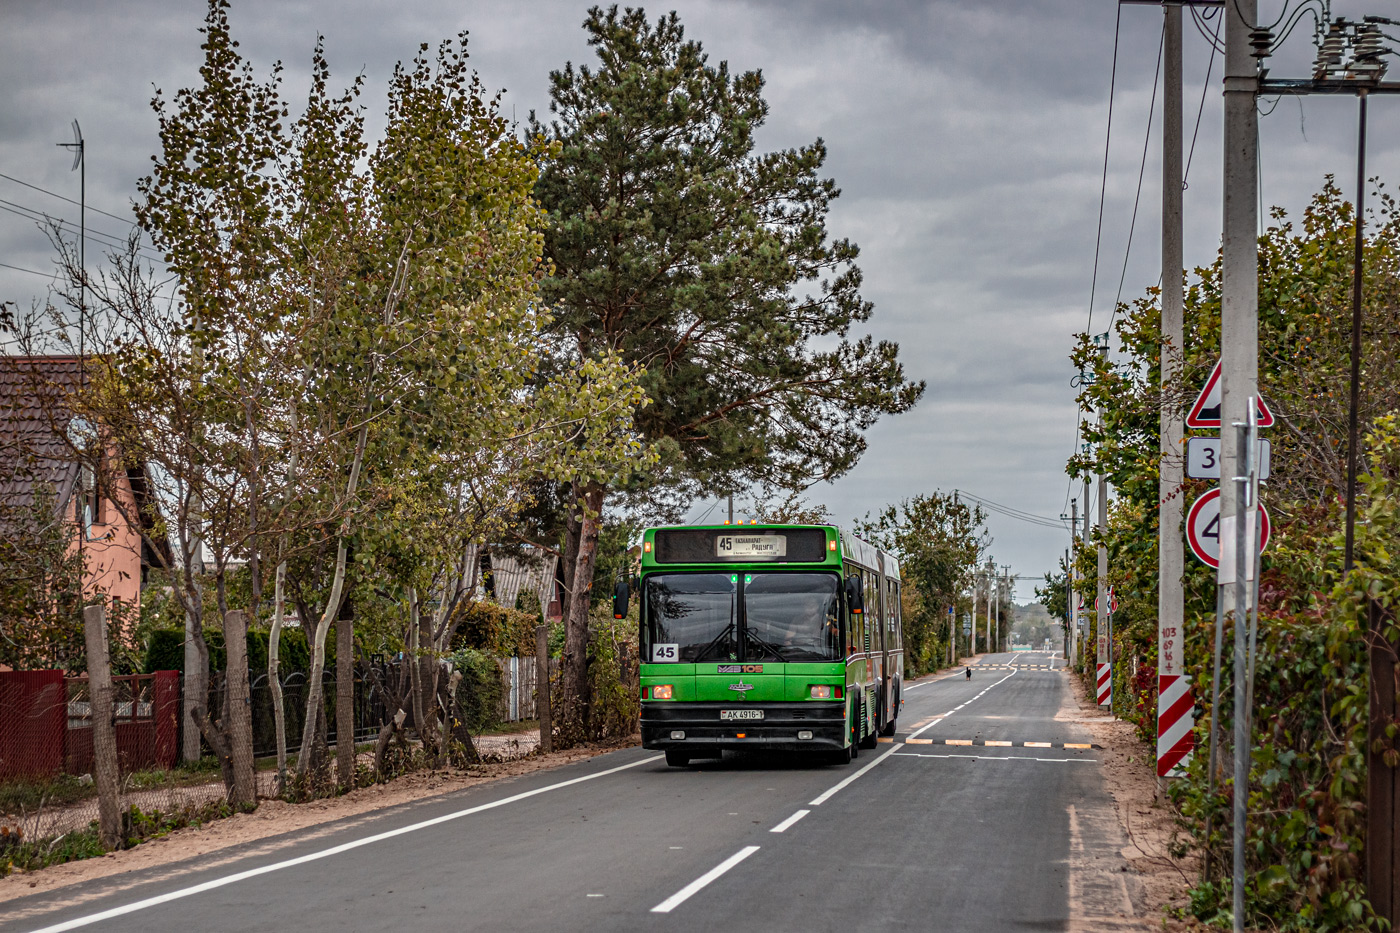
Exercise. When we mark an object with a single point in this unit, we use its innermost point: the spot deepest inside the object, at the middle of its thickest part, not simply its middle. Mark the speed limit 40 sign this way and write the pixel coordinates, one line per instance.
(1203, 528)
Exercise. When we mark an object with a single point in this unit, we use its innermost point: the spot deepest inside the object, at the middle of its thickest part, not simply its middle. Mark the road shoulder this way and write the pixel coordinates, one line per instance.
(277, 817)
(1146, 818)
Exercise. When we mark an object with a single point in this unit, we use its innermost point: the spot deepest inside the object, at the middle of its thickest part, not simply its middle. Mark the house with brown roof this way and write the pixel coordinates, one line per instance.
(49, 455)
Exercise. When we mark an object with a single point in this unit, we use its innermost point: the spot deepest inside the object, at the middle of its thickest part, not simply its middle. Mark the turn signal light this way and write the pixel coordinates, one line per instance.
(661, 692)
(831, 545)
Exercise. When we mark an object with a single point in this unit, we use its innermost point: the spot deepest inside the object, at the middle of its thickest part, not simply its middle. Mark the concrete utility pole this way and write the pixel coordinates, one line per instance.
(1239, 351)
(972, 619)
(991, 586)
(1069, 613)
(1074, 581)
(1170, 550)
(1101, 596)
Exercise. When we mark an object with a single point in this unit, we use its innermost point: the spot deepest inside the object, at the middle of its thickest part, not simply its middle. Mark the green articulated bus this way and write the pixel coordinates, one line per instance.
(766, 636)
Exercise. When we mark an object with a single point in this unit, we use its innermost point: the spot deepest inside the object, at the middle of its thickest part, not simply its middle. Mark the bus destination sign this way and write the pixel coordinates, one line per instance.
(760, 547)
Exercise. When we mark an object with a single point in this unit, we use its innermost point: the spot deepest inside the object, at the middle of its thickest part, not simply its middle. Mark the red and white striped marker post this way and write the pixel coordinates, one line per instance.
(1175, 708)
(1105, 663)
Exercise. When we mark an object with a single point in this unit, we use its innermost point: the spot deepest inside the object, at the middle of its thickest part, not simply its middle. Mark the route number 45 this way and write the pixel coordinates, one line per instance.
(664, 652)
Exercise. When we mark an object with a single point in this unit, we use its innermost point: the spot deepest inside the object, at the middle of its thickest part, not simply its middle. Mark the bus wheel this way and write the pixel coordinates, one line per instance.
(677, 758)
(889, 726)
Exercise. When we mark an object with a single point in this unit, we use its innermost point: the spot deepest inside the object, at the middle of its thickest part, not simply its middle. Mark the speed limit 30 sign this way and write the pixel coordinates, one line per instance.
(1203, 528)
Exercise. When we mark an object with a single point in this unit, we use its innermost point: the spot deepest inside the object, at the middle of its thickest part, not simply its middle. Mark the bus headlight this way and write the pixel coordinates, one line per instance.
(825, 692)
(661, 692)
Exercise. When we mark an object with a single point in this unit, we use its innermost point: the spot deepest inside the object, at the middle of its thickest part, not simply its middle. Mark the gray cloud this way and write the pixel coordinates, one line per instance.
(967, 139)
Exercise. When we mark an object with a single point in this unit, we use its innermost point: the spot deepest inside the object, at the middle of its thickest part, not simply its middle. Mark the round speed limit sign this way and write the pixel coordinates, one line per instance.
(1203, 528)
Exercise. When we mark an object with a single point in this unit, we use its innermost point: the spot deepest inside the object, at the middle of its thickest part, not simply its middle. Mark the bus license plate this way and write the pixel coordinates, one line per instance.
(741, 714)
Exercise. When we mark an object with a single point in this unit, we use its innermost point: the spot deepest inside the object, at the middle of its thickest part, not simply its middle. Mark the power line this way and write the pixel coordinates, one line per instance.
(1200, 109)
(1103, 181)
(33, 214)
(55, 194)
(1142, 168)
(1103, 192)
(47, 275)
(1010, 512)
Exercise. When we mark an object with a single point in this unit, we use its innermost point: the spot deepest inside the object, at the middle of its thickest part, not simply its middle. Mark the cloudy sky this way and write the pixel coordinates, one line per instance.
(967, 137)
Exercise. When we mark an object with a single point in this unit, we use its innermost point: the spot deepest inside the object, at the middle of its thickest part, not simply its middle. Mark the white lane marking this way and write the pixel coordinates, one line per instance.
(789, 821)
(827, 795)
(996, 757)
(685, 893)
(830, 791)
(324, 853)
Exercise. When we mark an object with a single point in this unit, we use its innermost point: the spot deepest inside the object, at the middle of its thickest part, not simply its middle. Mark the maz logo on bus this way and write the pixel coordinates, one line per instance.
(739, 669)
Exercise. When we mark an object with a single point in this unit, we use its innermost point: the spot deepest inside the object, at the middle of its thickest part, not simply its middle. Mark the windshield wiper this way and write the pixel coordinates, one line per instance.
(700, 655)
(769, 646)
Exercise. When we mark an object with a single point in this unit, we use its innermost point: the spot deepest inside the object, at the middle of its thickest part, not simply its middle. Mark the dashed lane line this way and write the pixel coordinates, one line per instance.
(685, 893)
(782, 827)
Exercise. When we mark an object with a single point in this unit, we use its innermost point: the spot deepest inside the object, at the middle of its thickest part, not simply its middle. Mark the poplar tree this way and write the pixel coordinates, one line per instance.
(678, 246)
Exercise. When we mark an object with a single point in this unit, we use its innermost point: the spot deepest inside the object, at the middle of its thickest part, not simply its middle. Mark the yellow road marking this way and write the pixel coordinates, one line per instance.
(918, 741)
(1073, 745)
(887, 741)
(957, 741)
(997, 744)
(1038, 745)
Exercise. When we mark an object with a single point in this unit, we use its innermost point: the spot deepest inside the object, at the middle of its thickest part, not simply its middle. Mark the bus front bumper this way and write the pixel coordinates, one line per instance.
(704, 730)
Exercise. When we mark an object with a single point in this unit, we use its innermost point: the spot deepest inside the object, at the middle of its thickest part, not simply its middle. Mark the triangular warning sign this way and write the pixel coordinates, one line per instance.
(1206, 412)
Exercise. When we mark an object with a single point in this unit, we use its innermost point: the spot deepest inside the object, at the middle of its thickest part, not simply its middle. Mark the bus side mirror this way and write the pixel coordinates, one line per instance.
(855, 597)
(620, 595)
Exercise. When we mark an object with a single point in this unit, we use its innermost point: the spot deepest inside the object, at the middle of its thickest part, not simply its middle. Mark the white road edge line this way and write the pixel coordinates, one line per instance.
(685, 893)
(324, 853)
(781, 827)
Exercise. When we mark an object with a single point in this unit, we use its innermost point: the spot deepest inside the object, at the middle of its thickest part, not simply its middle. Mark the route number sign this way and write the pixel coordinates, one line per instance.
(1203, 458)
(1203, 528)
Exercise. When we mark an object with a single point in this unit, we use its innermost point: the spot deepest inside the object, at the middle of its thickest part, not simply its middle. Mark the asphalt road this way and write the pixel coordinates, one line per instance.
(924, 832)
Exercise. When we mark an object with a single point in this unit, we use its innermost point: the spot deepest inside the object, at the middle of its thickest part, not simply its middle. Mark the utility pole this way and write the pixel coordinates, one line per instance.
(1239, 354)
(1074, 582)
(991, 585)
(1174, 733)
(992, 645)
(1069, 611)
(972, 619)
(1104, 673)
(731, 509)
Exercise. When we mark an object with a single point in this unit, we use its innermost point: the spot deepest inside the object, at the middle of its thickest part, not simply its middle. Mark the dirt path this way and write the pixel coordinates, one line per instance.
(1146, 817)
(274, 817)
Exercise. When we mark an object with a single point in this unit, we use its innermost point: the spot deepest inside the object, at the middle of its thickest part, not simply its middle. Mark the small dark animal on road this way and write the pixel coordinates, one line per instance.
(969, 673)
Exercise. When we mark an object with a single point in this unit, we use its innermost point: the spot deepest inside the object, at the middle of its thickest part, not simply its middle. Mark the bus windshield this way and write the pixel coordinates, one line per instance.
(791, 617)
(692, 617)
